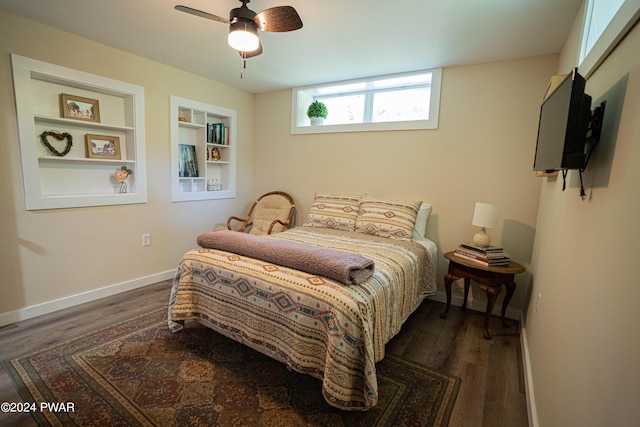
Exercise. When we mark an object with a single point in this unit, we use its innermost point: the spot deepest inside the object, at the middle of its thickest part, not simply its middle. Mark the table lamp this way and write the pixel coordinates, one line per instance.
(485, 216)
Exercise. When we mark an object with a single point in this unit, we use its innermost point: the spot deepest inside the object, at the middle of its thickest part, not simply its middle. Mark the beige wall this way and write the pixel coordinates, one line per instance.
(53, 254)
(583, 340)
(482, 151)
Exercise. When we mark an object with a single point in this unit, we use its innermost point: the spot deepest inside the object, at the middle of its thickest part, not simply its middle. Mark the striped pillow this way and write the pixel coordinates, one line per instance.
(336, 211)
(394, 219)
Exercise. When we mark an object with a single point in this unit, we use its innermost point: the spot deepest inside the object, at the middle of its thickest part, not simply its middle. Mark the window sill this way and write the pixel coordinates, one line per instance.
(365, 127)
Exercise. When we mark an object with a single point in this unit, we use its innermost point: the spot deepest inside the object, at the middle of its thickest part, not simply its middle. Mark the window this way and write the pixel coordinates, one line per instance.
(605, 23)
(401, 101)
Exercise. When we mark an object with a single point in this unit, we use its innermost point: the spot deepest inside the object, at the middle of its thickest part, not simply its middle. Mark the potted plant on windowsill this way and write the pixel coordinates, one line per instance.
(317, 112)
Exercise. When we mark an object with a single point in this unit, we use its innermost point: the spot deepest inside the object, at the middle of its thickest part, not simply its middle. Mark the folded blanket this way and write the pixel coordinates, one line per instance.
(345, 267)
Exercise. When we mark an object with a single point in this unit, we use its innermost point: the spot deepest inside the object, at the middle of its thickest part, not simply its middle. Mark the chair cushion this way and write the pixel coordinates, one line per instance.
(268, 209)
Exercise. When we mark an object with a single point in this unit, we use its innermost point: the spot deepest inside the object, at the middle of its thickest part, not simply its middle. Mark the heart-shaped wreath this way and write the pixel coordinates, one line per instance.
(60, 137)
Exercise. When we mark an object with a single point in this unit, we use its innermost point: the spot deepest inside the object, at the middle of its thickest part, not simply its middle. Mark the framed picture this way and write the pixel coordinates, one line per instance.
(79, 108)
(188, 161)
(103, 147)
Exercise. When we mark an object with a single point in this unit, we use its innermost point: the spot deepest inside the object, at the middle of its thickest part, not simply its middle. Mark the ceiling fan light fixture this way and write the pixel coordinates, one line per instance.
(243, 36)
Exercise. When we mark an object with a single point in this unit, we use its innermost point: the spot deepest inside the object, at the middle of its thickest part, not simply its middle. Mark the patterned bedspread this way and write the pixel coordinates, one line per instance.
(316, 326)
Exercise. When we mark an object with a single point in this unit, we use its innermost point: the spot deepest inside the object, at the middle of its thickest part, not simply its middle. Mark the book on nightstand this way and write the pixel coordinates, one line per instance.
(488, 256)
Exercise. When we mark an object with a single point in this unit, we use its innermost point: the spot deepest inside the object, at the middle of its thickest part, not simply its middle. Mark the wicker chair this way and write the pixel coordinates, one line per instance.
(270, 213)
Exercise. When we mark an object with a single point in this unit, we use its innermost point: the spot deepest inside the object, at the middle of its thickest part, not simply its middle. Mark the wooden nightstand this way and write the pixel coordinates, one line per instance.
(490, 280)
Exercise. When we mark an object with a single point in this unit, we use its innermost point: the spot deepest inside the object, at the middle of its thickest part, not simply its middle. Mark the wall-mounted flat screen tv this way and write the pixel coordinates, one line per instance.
(564, 121)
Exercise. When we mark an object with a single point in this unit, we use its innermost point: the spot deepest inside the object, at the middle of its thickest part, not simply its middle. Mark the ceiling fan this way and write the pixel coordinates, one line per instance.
(244, 25)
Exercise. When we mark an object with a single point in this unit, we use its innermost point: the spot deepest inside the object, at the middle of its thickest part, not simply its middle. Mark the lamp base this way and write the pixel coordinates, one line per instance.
(482, 239)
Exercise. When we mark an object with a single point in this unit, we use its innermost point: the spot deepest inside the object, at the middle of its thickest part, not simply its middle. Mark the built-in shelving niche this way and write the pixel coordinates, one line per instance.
(203, 151)
(76, 180)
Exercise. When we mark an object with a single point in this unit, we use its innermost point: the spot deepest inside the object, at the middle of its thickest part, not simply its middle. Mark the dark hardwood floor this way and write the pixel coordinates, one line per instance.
(491, 394)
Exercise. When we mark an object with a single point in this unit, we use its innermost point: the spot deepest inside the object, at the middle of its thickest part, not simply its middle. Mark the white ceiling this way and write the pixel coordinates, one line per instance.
(341, 39)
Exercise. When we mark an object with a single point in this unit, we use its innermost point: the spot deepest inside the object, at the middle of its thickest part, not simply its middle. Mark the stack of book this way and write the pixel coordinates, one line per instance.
(217, 133)
(488, 256)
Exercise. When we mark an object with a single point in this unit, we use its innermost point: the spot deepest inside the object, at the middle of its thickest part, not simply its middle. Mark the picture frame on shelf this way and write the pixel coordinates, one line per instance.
(187, 161)
(103, 147)
(80, 108)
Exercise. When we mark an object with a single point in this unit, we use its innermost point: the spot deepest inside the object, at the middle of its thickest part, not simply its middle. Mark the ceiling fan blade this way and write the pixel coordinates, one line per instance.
(247, 55)
(202, 14)
(278, 19)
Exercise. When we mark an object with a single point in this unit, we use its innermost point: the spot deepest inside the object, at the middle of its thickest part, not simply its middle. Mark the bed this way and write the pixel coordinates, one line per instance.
(325, 327)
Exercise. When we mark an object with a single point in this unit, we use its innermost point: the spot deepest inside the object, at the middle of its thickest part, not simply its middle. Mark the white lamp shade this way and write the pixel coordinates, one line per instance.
(243, 37)
(485, 215)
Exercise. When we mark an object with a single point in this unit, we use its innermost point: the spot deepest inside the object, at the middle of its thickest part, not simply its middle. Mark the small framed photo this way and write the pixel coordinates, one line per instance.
(103, 147)
(79, 108)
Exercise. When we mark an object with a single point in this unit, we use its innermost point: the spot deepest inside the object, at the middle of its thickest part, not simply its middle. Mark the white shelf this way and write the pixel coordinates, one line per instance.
(75, 123)
(75, 180)
(82, 160)
(190, 123)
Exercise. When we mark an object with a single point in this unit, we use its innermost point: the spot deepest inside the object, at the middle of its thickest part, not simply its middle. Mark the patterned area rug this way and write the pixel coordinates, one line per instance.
(138, 373)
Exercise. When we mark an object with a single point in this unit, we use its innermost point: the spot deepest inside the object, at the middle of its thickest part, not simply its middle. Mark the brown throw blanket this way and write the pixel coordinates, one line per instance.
(344, 267)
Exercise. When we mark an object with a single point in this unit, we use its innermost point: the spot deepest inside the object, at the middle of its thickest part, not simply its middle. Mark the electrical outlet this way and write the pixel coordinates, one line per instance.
(538, 302)
(146, 239)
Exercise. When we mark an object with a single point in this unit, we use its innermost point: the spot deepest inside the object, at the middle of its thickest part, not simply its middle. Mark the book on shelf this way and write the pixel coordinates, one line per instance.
(217, 133)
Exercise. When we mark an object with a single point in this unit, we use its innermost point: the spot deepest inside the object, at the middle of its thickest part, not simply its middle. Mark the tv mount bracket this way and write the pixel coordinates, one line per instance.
(594, 130)
(593, 137)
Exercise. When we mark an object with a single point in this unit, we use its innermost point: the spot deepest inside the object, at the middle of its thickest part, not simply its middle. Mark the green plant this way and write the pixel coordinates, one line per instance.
(317, 109)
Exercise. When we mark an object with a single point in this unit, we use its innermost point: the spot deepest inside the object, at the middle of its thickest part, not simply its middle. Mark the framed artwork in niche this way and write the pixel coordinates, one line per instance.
(103, 147)
(187, 161)
(80, 108)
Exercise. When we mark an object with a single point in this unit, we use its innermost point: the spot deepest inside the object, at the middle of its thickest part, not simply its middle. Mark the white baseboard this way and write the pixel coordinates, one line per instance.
(480, 306)
(528, 378)
(72, 300)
